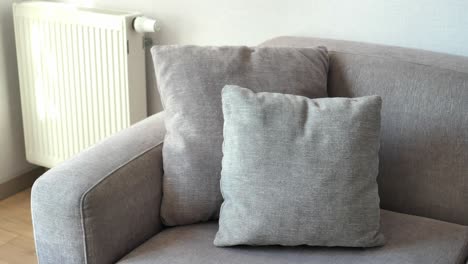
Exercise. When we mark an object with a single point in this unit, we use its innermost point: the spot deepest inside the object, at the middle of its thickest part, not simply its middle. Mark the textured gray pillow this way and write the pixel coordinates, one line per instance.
(190, 81)
(299, 171)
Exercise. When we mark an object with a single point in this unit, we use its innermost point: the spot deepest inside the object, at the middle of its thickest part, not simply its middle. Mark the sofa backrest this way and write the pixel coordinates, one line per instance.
(424, 138)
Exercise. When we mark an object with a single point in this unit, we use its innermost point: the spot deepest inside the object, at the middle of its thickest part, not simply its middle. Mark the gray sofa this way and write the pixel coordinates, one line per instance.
(102, 206)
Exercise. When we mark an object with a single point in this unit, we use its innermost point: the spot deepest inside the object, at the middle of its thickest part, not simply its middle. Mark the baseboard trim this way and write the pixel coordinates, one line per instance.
(19, 183)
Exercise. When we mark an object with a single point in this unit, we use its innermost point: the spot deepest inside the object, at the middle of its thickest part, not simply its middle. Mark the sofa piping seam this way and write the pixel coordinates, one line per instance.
(83, 196)
(399, 59)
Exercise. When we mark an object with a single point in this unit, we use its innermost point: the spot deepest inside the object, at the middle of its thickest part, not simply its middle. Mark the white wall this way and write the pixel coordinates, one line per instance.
(427, 24)
(12, 157)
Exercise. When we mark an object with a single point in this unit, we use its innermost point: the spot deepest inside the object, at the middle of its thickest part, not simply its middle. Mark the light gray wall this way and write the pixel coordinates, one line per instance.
(12, 156)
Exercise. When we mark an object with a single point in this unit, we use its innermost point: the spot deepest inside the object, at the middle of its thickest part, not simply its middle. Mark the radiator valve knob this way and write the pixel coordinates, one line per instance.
(143, 24)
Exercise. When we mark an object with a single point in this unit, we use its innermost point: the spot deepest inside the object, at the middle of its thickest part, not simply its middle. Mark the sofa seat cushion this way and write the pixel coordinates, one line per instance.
(410, 239)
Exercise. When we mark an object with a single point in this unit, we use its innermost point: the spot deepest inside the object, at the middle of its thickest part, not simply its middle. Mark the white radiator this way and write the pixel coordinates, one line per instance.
(82, 77)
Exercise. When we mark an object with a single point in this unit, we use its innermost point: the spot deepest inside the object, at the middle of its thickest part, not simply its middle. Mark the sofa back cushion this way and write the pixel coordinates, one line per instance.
(424, 136)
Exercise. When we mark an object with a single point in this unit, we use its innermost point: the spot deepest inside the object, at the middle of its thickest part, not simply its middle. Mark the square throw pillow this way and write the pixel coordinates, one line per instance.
(299, 171)
(190, 80)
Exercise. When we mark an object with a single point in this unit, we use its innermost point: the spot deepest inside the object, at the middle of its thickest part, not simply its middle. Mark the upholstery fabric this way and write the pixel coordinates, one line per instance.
(104, 202)
(190, 80)
(424, 140)
(299, 171)
(410, 240)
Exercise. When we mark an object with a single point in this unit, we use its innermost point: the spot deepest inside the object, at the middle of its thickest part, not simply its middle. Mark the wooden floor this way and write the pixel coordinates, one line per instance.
(16, 235)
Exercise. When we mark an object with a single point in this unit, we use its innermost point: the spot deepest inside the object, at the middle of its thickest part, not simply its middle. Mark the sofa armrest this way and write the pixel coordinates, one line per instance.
(104, 202)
